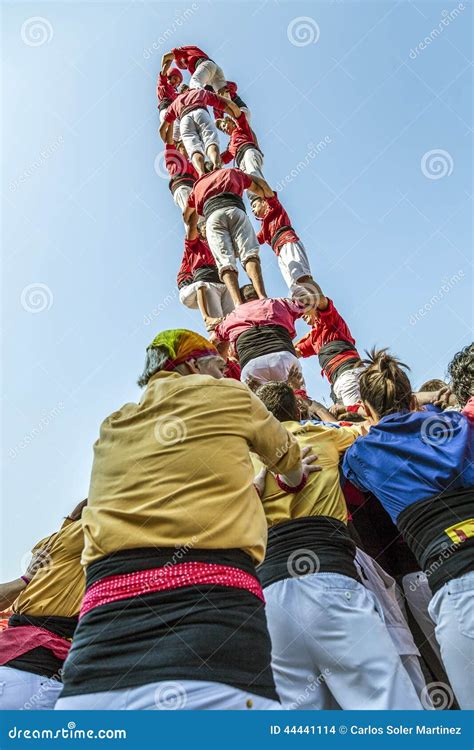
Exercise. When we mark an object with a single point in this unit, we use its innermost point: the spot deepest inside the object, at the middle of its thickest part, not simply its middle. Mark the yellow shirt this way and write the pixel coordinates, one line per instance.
(58, 586)
(175, 469)
(322, 495)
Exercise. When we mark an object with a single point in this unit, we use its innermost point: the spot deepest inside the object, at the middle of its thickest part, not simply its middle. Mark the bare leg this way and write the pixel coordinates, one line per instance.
(231, 280)
(214, 156)
(253, 269)
(202, 302)
(198, 163)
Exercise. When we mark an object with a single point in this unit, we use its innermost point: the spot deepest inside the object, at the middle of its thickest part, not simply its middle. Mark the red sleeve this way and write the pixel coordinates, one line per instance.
(184, 272)
(246, 180)
(261, 236)
(192, 200)
(305, 346)
(171, 162)
(221, 331)
(296, 309)
(226, 156)
(218, 113)
(244, 125)
(212, 99)
(170, 115)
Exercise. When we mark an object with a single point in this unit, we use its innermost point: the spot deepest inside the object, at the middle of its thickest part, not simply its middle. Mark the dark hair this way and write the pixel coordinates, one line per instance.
(280, 400)
(248, 292)
(461, 374)
(154, 362)
(350, 416)
(432, 385)
(383, 384)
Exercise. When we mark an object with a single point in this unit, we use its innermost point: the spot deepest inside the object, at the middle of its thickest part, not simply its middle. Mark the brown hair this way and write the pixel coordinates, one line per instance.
(280, 400)
(432, 385)
(383, 384)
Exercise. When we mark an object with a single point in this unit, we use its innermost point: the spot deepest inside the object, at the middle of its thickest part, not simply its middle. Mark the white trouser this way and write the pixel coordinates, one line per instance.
(293, 263)
(384, 587)
(230, 235)
(218, 299)
(252, 162)
(198, 132)
(189, 695)
(268, 367)
(346, 386)
(181, 195)
(452, 609)
(418, 596)
(176, 133)
(208, 73)
(25, 691)
(331, 649)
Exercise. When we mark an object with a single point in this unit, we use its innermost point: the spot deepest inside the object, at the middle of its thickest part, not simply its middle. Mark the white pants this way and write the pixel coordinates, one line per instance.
(198, 132)
(208, 73)
(219, 301)
(269, 367)
(181, 195)
(293, 263)
(418, 596)
(346, 386)
(230, 235)
(331, 649)
(189, 695)
(25, 691)
(452, 609)
(252, 162)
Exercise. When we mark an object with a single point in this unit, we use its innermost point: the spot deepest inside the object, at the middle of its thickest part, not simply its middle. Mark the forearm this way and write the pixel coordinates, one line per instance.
(261, 187)
(231, 108)
(166, 61)
(9, 592)
(320, 411)
(202, 302)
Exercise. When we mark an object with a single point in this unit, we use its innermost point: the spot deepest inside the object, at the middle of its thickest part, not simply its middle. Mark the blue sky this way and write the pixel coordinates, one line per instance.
(92, 240)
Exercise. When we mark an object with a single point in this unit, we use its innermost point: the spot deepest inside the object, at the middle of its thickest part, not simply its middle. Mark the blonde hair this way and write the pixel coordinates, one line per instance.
(384, 384)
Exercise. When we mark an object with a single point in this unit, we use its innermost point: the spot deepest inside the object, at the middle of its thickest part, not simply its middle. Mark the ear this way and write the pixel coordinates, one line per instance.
(373, 417)
(190, 365)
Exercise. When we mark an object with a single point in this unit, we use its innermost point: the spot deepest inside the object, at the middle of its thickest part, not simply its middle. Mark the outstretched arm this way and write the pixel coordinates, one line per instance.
(166, 132)
(166, 61)
(261, 187)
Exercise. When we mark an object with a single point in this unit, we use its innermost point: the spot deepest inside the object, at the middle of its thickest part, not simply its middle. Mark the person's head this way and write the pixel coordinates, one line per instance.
(280, 400)
(259, 206)
(182, 351)
(248, 293)
(226, 125)
(183, 88)
(431, 386)
(201, 227)
(461, 374)
(181, 148)
(175, 77)
(384, 385)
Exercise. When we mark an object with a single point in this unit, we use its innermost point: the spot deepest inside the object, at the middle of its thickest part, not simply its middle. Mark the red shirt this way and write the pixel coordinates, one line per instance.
(176, 163)
(329, 327)
(276, 218)
(468, 410)
(187, 57)
(216, 182)
(241, 135)
(196, 254)
(260, 312)
(192, 99)
(232, 369)
(164, 89)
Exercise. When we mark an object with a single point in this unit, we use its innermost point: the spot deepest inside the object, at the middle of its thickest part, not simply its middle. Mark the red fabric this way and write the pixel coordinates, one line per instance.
(176, 163)
(353, 496)
(15, 642)
(275, 218)
(232, 369)
(216, 182)
(260, 312)
(175, 72)
(191, 98)
(196, 254)
(330, 326)
(337, 361)
(119, 587)
(286, 487)
(468, 410)
(241, 135)
(164, 89)
(187, 57)
(354, 407)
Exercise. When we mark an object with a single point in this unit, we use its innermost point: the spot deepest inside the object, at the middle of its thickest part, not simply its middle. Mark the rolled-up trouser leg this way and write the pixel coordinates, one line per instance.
(25, 691)
(293, 263)
(188, 695)
(181, 195)
(326, 629)
(207, 73)
(252, 164)
(452, 609)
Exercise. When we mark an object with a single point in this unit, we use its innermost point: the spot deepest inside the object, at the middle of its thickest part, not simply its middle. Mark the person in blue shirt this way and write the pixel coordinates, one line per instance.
(419, 464)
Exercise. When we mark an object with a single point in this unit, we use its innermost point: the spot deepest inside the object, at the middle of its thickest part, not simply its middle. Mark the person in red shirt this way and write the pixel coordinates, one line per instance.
(204, 71)
(277, 232)
(181, 171)
(218, 197)
(230, 92)
(198, 279)
(243, 145)
(198, 132)
(262, 332)
(166, 91)
(331, 340)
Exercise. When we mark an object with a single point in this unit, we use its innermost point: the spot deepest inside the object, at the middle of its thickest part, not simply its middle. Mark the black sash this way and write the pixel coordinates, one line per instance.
(260, 340)
(222, 200)
(279, 233)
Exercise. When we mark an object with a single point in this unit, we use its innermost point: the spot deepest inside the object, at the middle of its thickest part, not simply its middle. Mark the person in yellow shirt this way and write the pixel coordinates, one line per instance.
(45, 603)
(173, 615)
(330, 648)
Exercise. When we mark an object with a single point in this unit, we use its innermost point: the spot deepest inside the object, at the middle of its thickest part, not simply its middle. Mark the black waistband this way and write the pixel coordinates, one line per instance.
(200, 60)
(223, 200)
(425, 526)
(240, 102)
(192, 108)
(206, 273)
(41, 660)
(331, 350)
(164, 104)
(243, 148)
(260, 340)
(62, 626)
(200, 632)
(279, 233)
(307, 545)
(181, 179)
